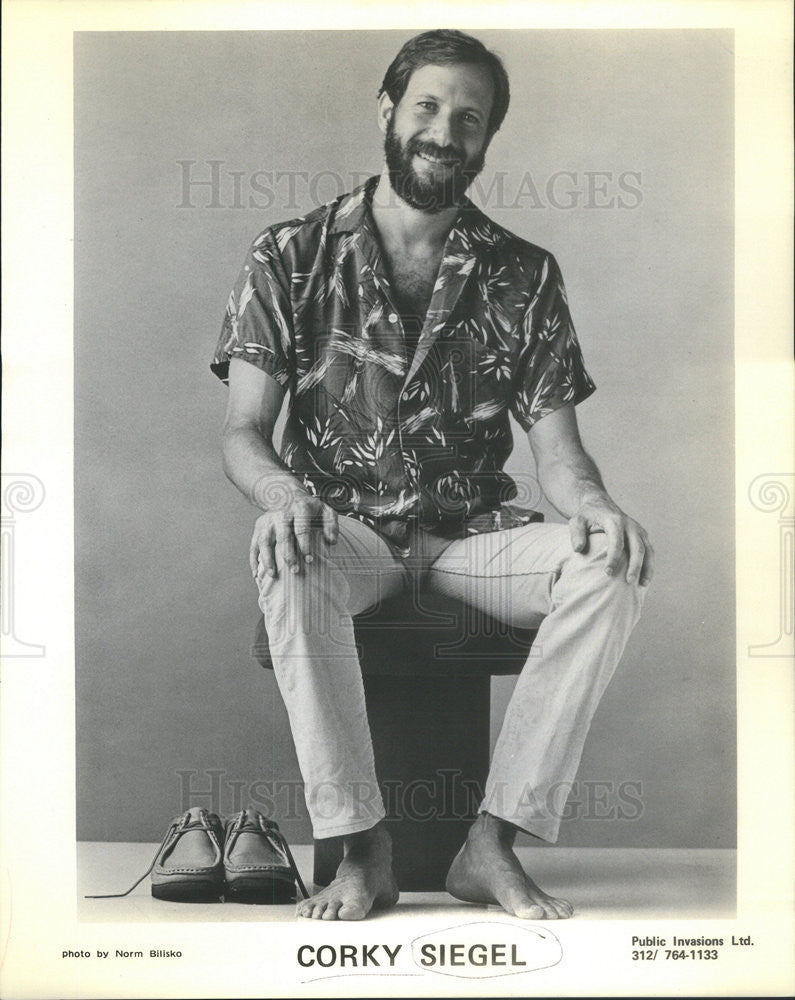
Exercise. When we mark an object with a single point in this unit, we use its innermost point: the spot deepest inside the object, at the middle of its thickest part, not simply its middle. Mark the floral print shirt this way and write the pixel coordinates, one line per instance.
(386, 437)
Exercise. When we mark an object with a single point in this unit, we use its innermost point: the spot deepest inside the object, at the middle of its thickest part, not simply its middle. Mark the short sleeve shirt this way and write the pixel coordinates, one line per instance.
(379, 434)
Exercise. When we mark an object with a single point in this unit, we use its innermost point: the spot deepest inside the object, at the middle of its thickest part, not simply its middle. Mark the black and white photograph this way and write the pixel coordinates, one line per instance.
(406, 388)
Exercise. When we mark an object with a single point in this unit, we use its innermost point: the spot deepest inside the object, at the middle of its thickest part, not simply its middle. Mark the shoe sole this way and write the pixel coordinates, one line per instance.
(262, 890)
(188, 892)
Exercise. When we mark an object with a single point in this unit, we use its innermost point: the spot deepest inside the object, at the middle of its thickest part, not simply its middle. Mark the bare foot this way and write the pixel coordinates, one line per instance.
(487, 871)
(364, 880)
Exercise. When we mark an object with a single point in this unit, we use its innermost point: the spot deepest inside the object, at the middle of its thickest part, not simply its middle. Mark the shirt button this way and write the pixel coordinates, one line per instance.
(405, 397)
(392, 317)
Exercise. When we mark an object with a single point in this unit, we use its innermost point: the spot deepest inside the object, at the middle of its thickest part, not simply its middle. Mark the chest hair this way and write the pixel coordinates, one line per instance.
(413, 279)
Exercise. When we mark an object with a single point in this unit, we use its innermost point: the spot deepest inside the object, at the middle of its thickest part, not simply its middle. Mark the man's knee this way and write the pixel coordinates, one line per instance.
(591, 565)
(596, 548)
(312, 590)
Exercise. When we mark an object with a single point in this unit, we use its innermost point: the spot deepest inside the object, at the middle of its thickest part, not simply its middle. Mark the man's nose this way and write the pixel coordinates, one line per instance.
(441, 130)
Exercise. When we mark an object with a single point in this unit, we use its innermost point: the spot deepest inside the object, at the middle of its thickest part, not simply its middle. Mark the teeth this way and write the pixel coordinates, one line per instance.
(435, 159)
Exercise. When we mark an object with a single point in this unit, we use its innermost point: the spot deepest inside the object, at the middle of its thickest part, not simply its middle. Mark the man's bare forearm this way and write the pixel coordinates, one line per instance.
(571, 480)
(252, 464)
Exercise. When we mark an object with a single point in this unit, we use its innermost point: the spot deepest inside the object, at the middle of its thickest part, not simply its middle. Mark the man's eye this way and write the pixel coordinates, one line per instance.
(427, 105)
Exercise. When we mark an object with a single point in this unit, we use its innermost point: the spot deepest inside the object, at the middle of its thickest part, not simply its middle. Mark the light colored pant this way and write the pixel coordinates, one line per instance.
(529, 577)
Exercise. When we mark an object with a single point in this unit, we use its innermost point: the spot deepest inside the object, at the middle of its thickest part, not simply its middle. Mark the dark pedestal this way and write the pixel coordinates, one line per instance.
(427, 662)
(431, 744)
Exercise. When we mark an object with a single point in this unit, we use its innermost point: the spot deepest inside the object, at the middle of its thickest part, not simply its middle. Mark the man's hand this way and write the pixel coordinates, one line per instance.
(282, 539)
(625, 539)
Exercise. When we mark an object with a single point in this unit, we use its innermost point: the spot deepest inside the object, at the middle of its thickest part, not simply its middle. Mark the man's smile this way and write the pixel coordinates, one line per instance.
(444, 161)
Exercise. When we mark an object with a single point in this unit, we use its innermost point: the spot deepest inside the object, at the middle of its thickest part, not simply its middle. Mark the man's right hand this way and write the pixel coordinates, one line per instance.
(283, 536)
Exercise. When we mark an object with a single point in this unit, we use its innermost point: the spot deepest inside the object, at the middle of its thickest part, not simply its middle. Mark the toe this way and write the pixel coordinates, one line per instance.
(318, 911)
(352, 911)
(331, 911)
(565, 910)
(529, 911)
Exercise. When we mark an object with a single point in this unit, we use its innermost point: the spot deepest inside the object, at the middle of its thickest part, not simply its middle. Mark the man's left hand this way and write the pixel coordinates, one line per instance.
(626, 539)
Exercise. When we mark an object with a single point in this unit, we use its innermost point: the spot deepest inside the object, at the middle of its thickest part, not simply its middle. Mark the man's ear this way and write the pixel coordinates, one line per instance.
(385, 111)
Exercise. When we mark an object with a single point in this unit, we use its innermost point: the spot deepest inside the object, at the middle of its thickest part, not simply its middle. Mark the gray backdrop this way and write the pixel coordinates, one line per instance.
(641, 223)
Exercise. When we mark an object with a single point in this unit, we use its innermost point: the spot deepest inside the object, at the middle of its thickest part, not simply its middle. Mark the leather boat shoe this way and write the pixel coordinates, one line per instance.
(258, 865)
(189, 866)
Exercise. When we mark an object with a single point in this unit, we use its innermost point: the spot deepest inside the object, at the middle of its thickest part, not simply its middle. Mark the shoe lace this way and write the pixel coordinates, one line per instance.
(180, 824)
(279, 838)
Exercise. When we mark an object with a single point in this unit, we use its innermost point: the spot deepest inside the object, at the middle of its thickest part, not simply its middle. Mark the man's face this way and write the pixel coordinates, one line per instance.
(436, 137)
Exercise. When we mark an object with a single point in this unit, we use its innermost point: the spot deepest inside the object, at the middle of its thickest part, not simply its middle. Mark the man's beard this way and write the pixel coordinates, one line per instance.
(428, 193)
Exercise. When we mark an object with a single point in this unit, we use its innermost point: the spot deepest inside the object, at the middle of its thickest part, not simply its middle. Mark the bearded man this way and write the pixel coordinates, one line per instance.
(406, 326)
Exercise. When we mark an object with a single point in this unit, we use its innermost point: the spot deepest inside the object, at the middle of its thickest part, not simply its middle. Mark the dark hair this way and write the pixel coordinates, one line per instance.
(440, 47)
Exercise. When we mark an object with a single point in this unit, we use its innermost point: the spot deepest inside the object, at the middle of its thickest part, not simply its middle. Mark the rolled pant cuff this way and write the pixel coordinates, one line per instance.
(545, 829)
(322, 832)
